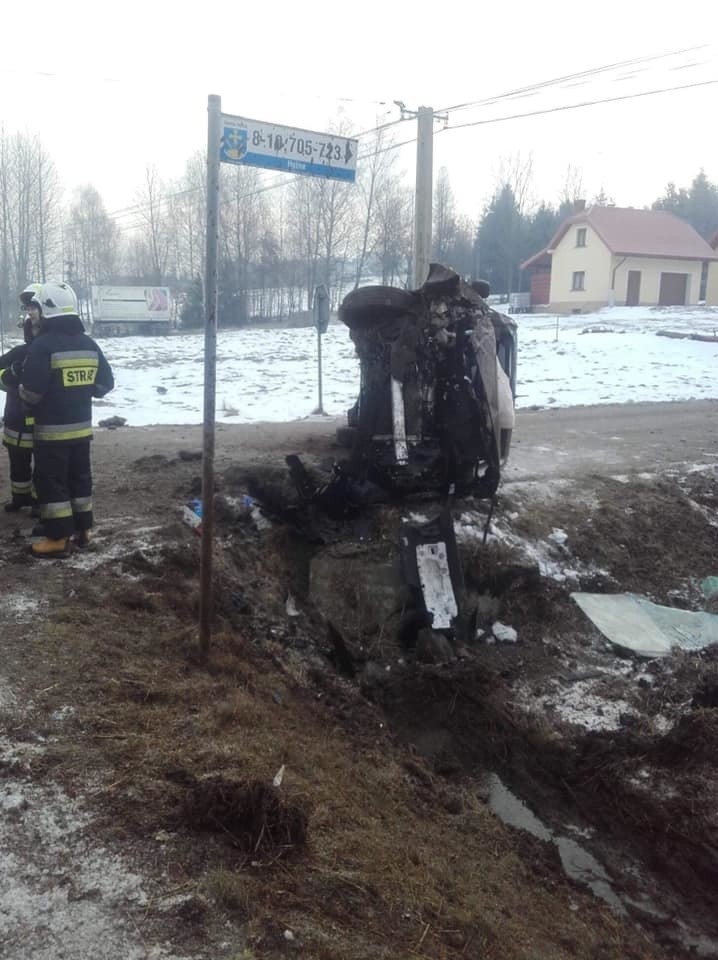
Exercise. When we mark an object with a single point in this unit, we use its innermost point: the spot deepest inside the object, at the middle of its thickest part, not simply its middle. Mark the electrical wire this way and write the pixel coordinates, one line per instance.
(282, 181)
(591, 72)
(576, 106)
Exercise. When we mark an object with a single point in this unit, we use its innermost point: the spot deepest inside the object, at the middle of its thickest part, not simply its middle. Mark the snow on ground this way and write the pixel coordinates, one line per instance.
(20, 608)
(272, 374)
(62, 894)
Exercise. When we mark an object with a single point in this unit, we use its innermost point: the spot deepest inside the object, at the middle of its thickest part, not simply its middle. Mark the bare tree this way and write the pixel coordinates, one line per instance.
(516, 171)
(155, 226)
(29, 194)
(92, 237)
(374, 172)
(393, 229)
(188, 214)
(243, 216)
(572, 189)
(444, 216)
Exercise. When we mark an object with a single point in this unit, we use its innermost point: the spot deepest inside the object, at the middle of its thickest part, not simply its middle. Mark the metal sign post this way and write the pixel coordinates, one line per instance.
(254, 143)
(321, 319)
(214, 133)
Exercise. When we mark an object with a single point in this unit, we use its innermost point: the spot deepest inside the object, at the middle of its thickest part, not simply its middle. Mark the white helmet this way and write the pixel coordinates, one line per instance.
(57, 299)
(30, 294)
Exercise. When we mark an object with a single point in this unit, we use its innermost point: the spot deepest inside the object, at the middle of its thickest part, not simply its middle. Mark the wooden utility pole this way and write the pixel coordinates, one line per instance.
(424, 188)
(423, 194)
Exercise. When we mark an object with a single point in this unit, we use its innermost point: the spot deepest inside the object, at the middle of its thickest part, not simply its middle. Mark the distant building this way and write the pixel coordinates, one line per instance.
(612, 255)
(712, 284)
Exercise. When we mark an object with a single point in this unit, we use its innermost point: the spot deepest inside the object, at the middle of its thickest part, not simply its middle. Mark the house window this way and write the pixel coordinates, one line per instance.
(579, 280)
(581, 237)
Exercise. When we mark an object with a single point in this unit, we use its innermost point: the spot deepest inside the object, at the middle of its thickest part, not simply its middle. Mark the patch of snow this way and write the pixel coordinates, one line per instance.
(7, 697)
(469, 527)
(577, 703)
(645, 677)
(662, 724)
(70, 897)
(62, 714)
(20, 607)
(504, 633)
(19, 753)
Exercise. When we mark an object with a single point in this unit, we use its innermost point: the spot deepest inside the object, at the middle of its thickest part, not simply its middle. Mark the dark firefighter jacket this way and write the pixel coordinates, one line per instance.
(17, 423)
(64, 370)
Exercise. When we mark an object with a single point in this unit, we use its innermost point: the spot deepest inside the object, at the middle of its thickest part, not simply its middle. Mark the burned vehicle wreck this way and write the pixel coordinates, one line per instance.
(433, 422)
(435, 411)
(438, 371)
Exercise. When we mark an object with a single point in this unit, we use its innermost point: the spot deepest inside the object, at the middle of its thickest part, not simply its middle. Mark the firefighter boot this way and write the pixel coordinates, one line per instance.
(47, 549)
(82, 539)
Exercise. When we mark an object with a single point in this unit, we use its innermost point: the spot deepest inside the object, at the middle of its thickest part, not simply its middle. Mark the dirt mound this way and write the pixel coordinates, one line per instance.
(252, 816)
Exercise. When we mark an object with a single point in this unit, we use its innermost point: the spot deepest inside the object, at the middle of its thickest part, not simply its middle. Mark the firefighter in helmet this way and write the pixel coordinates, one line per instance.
(64, 369)
(17, 430)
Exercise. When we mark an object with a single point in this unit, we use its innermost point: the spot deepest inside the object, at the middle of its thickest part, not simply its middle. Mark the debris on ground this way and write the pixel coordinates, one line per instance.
(112, 422)
(647, 629)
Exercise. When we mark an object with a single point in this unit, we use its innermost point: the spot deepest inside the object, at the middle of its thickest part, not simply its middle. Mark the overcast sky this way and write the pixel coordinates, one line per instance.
(111, 88)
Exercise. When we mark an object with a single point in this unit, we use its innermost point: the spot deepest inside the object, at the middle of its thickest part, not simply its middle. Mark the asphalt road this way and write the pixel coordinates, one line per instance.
(620, 438)
(568, 442)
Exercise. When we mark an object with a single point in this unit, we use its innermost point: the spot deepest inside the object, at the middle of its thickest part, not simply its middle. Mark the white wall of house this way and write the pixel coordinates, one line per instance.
(568, 259)
(605, 276)
(712, 288)
(651, 270)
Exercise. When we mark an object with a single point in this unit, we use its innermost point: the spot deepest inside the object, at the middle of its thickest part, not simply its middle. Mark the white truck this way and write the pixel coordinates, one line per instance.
(123, 311)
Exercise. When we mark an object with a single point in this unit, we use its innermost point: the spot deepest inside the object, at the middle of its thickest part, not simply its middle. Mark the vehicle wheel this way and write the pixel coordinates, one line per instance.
(368, 305)
(482, 287)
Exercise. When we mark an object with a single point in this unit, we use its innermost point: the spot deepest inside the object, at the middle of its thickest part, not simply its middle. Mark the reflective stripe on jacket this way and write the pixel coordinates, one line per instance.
(63, 371)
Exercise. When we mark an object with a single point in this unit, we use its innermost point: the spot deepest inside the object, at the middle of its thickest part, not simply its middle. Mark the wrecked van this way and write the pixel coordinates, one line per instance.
(435, 410)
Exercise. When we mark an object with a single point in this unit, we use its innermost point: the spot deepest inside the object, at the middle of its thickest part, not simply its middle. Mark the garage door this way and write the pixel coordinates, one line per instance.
(673, 289)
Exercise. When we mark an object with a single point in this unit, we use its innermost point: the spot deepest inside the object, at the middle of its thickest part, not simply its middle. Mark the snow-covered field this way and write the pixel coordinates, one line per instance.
(612, 356)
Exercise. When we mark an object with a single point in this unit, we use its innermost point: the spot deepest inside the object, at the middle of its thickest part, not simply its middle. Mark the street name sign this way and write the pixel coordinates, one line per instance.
(289, 149)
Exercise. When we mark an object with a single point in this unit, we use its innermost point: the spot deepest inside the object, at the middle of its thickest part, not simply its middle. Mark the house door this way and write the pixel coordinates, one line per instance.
(633, 288)
(673, 289)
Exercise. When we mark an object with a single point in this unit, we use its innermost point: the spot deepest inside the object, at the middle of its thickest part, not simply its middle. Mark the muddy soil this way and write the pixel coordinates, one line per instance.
(325, 785)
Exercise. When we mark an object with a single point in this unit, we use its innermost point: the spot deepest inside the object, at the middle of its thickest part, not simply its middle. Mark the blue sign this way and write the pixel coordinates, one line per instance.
(257, 144)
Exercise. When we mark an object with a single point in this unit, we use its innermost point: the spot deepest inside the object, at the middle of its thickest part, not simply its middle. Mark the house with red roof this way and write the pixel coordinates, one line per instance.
(605, 256)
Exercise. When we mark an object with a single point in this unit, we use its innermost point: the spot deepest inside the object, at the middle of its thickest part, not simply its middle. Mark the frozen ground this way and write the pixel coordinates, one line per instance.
(612, 356)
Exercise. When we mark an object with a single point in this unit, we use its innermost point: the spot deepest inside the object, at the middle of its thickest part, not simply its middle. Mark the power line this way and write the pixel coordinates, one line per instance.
(283, 182)
(593, 71)
(133, 210)
(576, 106)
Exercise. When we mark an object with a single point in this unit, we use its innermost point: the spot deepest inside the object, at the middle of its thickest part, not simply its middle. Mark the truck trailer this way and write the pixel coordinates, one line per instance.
(128, 311)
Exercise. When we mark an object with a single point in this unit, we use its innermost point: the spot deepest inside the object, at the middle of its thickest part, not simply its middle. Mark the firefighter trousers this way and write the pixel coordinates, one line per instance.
(63, 478)
(21, 487)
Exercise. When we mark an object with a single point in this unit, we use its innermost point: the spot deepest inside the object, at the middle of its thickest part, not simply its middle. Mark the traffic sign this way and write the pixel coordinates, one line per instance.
(258, 144)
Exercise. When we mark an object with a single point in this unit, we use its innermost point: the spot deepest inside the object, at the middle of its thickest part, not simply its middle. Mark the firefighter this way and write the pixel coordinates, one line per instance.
(17, 432)
(64, 369)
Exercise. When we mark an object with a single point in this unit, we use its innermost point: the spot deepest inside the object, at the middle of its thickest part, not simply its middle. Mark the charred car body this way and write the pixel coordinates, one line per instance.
(438, 373)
